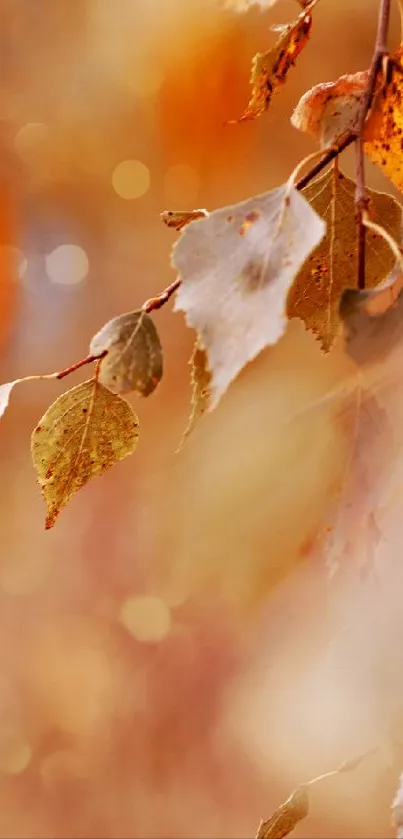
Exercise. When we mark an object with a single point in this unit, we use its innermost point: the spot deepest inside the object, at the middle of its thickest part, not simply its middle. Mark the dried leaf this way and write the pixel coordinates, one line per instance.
(329, 110)
(286, 818)
(270, 69)
(85, 432)
(180, 218)
(397, 810)
(373, 320)
(353, 531)
(316, 293)
(200, 378)
(237, 266)
(5, 391)
(383, 132)
(134, 354)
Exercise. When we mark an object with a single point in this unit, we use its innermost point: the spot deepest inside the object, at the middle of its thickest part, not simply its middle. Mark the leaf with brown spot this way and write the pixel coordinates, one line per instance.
(134, 354)
(85, 432)
(270, 69)
(331, 268)
(330, 109)
(180, 218)
(236, 267)
(383, 132)
(200, 378)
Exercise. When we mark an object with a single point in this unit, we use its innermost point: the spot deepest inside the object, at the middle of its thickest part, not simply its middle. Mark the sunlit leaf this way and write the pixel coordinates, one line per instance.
(200, 378)
(180, 218)
(330, 109)
(134, 354)
(237, 266)
(85, 432)
(270, 69)
(383, 131)
(286, 817)
(331, 268)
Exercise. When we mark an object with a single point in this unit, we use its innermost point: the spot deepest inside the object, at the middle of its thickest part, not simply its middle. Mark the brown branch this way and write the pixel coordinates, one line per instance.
(87, 360)
(156, 302)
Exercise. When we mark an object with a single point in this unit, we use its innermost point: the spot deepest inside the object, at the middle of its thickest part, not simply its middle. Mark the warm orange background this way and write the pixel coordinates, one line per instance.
(260, 673)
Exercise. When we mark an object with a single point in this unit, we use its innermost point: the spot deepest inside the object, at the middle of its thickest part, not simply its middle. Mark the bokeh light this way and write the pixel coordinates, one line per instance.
(67, 265)
(131, 179)
(147, 618)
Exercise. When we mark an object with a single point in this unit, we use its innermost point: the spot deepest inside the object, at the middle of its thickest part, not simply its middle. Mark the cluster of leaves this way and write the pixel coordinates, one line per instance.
(243, 271)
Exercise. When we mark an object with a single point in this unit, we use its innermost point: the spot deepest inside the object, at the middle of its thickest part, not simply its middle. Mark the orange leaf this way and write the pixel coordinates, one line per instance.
(270, 69)
(384, 128)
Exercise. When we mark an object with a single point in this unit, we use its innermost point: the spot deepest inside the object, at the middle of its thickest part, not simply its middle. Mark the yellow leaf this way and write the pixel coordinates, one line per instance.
(270, 69)
(200, 378)
(134, 354)
(85, 432)
(331, 268)
(383, 133)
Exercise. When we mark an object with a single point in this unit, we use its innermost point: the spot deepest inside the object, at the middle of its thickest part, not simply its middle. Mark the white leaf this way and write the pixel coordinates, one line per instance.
(397, 808)
(5, 391)
(236, 267)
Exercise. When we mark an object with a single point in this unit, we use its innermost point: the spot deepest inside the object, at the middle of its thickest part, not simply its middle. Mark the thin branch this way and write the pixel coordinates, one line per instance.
(87, 360)
(156, 302)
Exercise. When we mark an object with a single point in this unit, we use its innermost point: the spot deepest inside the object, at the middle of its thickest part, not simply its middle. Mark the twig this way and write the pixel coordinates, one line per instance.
(87, 360)
(156, 302)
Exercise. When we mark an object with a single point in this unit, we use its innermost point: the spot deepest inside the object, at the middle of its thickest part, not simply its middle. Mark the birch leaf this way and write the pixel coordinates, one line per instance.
(134, 354)
(85, 432)
(270, 69)
(329, 110)
(236, 267)
(5, 391)
(200, 378)
(331, 268)
(373, 320)
(383, 132)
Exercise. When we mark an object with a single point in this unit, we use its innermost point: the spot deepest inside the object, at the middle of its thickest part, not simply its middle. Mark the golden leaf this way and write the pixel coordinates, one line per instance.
(270, 69)
(85, 432)
(200, 378)
(180, 218)
(331, 268)
(134, 354)
(383, 132)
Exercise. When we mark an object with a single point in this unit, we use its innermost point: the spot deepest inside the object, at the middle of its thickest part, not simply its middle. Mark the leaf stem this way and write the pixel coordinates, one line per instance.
(89, 359)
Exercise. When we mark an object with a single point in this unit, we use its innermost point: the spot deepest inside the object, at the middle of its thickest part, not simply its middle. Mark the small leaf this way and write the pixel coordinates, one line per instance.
(200, 378)
(270, 69)
(237, 266)
(329, 110)
(180, 218)
(5, 391)
(316, 292)
(85, 432)
(134, 354)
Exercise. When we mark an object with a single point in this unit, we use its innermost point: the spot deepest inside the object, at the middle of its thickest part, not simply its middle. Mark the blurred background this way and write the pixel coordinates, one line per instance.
(174, 658)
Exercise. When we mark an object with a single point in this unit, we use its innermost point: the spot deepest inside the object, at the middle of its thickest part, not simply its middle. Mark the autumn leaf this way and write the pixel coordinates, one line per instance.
(180, 218)
(373, 320)
(286, 817)
(85, 432)
(237, 266)
(270, 69)
(352, 529)
(330, 110)
(331, 268)
(134, 354)
(200, 378)
(397, 810)
(383, 131)
(5, 391)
